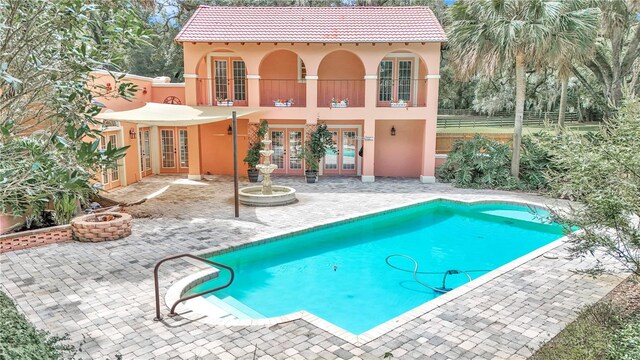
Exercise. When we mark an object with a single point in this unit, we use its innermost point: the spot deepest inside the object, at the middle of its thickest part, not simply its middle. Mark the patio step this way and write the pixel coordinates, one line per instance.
(235, 307)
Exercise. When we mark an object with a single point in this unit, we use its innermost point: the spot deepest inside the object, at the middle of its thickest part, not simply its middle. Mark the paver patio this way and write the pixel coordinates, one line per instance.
(102, 294)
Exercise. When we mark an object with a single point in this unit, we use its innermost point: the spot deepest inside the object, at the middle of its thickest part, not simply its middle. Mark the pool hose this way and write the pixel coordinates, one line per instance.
(415, 273)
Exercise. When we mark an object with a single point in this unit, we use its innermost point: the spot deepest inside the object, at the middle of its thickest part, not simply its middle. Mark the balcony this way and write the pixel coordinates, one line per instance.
(401, 93)
(283, 93)
(347, 92)
(221, 93)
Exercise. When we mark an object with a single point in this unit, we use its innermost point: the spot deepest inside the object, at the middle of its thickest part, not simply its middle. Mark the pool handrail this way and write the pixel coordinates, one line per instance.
(183, 299)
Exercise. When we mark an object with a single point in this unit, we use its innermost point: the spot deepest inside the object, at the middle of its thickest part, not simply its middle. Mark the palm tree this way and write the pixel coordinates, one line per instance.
(486, 36)
(572, 41)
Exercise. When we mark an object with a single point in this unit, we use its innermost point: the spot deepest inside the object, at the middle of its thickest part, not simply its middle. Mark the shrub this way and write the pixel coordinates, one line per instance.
(485, 163)
(602, 172)
(19, 339)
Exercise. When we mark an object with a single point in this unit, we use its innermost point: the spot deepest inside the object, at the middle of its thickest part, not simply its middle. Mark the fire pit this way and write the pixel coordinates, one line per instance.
(104, 226)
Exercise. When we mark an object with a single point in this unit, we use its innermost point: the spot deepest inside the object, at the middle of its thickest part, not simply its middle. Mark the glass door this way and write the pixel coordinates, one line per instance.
(111, 176)
(277, 145)
(287, 145)
(330, 166)
(348, 152)
(145, 152)
(344, 160)
(174, 150)
(229, 82)
(295, 147)
(167, 150)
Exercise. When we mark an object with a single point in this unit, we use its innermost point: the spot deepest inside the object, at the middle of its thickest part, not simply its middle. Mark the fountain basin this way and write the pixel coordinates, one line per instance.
(281, 195)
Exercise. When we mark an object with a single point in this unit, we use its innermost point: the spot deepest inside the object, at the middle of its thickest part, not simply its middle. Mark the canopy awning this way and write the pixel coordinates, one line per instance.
(176, 115)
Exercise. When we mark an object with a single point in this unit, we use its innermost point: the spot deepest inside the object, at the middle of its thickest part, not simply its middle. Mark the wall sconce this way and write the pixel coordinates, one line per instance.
(393, 130)
(144, 90)
(132, 133)
(230, 130)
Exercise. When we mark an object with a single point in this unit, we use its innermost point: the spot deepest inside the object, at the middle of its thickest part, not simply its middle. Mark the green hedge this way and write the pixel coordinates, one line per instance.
(19, 339)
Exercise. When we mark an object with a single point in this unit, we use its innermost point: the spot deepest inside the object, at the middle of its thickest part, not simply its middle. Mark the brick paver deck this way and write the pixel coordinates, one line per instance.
(102, 294)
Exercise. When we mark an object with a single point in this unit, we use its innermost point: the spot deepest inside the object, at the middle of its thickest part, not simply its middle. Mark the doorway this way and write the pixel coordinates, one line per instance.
(286, 145)
(343, 161)
(145, 152)
(111, 176)
(229, 80)
(174, 150)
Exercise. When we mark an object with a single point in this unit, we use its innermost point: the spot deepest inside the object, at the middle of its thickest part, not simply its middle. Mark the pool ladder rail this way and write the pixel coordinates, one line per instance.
(183, 299)
(415, 272)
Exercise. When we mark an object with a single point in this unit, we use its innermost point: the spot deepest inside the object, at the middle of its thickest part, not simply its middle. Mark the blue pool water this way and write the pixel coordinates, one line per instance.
(339, 272)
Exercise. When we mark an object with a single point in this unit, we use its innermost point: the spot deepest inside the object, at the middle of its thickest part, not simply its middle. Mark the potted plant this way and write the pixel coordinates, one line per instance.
(398, 104)
(315, 148)
(339, 103)
(224, 102)
(283, 102)
(253, 153)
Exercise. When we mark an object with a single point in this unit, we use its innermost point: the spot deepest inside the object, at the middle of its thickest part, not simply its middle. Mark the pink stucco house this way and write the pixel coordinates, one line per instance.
(370, 73)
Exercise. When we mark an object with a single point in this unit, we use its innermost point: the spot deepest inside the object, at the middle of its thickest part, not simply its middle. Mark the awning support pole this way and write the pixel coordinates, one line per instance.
(234, 125)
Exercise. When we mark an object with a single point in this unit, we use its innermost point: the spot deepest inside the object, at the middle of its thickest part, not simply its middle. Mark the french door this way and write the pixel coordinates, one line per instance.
(145, 152)
(395, 81)
(344, 160)
(174, 150)
(286, 145)
(111, 177)
(229, 81)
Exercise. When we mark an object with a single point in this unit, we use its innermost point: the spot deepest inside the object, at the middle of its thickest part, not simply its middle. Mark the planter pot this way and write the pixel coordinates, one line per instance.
(277, 104)
(104, 226)
(253, 175)
(339, 105)
(311, 175)
(398, 105)
(224, 103)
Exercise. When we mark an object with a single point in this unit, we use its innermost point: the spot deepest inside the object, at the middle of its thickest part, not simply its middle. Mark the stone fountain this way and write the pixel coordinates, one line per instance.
(267, 194)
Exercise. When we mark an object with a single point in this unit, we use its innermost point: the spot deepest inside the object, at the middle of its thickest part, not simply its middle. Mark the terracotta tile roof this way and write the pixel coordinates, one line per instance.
(312, 24)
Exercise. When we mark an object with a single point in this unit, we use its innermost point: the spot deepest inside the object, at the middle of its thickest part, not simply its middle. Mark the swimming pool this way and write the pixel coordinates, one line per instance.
(343, 273)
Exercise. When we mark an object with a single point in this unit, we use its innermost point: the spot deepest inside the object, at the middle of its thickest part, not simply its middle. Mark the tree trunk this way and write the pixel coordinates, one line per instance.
(517, 128)
(563, 100)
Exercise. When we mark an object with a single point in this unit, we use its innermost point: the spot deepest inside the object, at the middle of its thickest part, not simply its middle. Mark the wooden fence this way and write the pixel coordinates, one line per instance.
(448, 118)
(444, 142)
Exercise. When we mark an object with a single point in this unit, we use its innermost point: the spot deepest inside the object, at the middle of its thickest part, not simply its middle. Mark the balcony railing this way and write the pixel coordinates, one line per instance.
(227, 94)
(401, 93)
(283, 93)
(348, 92)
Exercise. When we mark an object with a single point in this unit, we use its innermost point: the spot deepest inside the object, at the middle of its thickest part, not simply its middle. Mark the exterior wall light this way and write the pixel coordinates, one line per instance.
(132, 133)
(230, 130)
(393, 130)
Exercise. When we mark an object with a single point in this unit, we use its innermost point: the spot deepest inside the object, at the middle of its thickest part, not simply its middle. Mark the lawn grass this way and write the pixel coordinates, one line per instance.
(607, 330)
(19, 339)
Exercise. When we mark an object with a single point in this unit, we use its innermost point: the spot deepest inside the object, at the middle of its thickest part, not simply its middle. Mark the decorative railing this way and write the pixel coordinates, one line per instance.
(341, 93)
(283, 93)
(401, 93)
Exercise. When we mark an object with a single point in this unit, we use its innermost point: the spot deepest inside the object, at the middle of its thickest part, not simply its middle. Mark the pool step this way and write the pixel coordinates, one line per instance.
(235, 307)
(243, 308)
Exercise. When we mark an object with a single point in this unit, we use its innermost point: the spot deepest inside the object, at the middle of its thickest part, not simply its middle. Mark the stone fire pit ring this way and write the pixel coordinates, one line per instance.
(104, 226)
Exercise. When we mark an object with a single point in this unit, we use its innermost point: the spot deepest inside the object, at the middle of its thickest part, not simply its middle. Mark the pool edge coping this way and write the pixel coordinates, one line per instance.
(181, 286)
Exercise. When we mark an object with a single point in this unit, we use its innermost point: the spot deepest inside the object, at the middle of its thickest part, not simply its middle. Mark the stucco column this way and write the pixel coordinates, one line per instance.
(312, 93)
(193, 131)
(427, 175)
(191, 89)
(368, 152)
(193, 134)
(253, 90)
